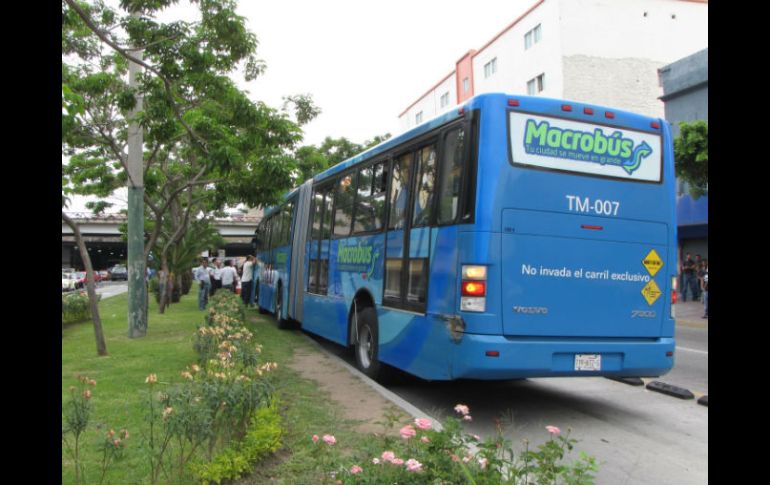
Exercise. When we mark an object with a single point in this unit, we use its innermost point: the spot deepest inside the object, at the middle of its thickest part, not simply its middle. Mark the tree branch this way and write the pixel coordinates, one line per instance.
(124, 52)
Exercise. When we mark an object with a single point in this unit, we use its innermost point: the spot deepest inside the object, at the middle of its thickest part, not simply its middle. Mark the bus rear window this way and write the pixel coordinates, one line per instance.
(584, 148)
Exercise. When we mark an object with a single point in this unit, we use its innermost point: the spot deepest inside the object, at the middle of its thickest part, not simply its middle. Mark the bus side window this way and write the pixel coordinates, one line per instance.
(370, 204)
(451, 173)
(399, 191)
(343, 215)
(426, 176)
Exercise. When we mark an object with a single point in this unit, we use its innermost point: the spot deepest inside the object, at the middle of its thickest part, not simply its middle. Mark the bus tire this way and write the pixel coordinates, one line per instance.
(367, 347)
(282, 323)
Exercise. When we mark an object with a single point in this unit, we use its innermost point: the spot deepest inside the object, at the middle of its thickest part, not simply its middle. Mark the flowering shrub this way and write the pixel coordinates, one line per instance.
(423, 455)
(208, 419)
(77, 414)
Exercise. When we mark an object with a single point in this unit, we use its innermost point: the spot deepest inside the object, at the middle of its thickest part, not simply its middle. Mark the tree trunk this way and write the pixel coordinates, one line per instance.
(163, 277)
(101, 346)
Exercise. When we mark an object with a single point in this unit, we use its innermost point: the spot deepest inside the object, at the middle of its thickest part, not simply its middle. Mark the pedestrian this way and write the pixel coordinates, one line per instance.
(202, 276)
(246, 279)
(216, 276)
(689, 281)
(229, 277)
(698, 265)
(705, 288)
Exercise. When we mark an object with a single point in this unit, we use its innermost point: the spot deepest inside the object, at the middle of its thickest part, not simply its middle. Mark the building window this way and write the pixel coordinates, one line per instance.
(466, 85)
(418, 118)
(533, 36)
(445, 99)
(490, 67)
(536, 85)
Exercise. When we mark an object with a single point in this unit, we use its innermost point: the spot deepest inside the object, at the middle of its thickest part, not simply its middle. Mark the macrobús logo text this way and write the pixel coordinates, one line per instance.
(544, 139)
(357, 259)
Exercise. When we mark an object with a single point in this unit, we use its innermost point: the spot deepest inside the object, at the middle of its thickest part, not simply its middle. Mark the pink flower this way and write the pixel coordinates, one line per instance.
(455, 458)
(388, 456)
(87, 394)
(408, 432)
(315, 438)
(466, 459)
(467, 417)
(423, 423)
(375, 461)
(462, 409)
(329, 439)
(397, 461)
(483, 463)
(553, 429)
(413, 465)
(425, 439)
(355, 469)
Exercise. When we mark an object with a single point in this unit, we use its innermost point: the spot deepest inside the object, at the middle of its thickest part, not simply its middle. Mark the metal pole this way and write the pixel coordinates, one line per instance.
(137, 291)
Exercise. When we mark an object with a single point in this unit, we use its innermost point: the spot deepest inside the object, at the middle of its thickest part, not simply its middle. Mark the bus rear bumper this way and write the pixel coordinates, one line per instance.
(493, 357)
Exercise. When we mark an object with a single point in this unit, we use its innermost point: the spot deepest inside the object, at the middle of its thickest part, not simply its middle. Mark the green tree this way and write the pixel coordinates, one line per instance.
(311, 160)
(207, 144)
(691, 153)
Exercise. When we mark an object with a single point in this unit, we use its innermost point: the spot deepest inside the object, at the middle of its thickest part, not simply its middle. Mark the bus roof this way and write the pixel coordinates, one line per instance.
(538, 104)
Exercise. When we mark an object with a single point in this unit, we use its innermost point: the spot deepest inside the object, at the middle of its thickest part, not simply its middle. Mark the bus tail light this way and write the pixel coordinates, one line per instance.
(473, 289)
(674, 287)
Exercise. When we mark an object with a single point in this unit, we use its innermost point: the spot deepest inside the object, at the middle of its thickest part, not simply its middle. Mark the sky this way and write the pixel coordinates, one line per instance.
(363, 62)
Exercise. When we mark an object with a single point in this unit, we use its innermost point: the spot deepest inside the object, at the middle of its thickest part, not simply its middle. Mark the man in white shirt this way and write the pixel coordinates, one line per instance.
(229, 276)
(216, 276)
(201, 275)
(246, 278)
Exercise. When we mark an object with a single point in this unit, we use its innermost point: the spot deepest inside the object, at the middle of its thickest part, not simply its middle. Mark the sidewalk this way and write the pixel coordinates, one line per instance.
(689, 314)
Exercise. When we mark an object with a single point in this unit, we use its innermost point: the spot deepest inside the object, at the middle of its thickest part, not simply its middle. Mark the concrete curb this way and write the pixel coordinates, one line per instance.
(385, 393)
(631, 381)
(670, 390)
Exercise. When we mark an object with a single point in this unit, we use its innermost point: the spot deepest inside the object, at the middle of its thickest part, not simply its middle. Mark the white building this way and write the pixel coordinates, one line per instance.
(604, 52)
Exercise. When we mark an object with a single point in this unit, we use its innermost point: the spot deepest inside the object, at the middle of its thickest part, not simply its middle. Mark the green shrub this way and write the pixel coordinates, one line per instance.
(262, 438)
(75, 307)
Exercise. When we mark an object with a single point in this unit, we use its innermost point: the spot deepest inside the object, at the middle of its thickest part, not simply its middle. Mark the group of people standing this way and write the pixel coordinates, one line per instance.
(695, 279)
(215, 277)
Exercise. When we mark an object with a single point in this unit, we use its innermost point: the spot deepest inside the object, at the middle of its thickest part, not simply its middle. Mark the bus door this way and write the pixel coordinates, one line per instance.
(409, 232)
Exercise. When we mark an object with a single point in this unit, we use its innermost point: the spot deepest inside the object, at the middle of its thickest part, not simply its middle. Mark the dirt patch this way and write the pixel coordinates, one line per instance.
(357, 400)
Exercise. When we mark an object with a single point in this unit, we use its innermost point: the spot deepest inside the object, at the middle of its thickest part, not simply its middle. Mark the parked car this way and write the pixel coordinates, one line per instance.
(104, 275)
(119, 272)
(80, 279)
(68, 281)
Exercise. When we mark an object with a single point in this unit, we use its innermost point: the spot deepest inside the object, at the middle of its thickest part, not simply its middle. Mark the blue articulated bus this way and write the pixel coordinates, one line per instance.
(512, 237)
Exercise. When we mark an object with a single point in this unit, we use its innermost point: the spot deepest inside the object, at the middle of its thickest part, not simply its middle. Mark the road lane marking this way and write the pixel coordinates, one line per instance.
(692, 350)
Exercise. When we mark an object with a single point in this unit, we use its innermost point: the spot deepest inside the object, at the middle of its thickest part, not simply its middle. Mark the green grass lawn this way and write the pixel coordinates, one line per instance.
(166, 350)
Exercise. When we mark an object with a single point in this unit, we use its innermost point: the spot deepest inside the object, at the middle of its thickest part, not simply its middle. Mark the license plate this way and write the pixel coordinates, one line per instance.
(588, 362)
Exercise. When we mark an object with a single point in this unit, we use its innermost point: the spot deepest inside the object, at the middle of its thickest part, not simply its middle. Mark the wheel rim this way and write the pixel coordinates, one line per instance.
(365, 347)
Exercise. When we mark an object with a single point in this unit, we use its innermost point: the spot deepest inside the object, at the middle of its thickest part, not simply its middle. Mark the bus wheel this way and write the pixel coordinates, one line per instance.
(367, 347)
(282, 323)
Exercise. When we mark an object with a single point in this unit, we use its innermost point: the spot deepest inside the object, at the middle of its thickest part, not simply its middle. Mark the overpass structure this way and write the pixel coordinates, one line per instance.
(107, 247)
